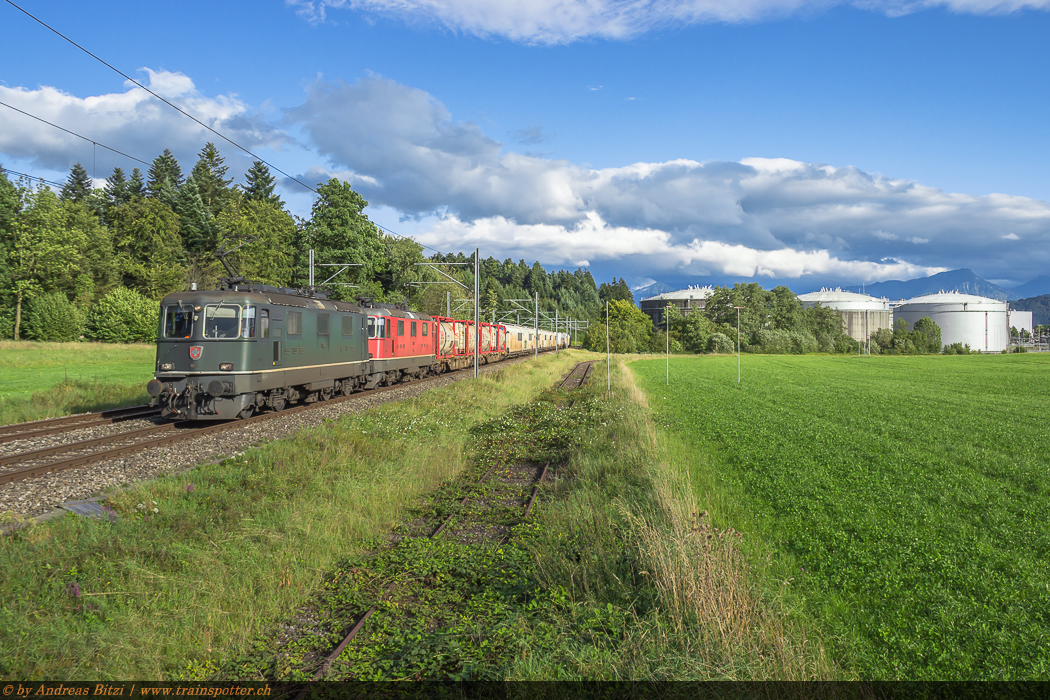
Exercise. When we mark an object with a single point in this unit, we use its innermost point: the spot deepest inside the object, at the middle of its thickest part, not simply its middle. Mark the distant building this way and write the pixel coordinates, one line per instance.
(686, 300)
(976, 321)
(861, 314)
(1021, 320)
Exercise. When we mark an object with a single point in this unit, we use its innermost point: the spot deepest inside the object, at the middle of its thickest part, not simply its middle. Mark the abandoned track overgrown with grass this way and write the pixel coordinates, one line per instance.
(906, 498)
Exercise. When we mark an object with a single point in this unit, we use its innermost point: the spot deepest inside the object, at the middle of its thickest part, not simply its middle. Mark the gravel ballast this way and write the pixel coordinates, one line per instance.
(41, 495)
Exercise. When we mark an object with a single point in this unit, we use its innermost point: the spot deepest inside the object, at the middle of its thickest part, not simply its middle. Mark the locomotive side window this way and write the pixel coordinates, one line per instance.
(178, 323)
(400, 327)
(322, 324)
(413, 330)
(264, 323)
(248, 322)
(425, 327)
(295, 322)
(348, 325)
(222, 321)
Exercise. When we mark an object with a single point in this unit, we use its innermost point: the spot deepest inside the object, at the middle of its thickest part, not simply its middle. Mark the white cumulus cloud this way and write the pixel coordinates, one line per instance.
(761, 216)
(132, 121)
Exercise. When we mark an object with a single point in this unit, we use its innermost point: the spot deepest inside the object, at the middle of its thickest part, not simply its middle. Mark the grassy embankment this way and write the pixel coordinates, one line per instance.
(44, 380)
(615, 577)
(907, 497)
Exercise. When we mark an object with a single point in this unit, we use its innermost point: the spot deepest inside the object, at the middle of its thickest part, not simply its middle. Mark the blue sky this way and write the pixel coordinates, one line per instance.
(808, 143)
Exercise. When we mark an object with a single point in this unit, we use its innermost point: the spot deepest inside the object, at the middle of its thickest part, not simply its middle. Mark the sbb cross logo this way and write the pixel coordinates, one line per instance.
(196, 351)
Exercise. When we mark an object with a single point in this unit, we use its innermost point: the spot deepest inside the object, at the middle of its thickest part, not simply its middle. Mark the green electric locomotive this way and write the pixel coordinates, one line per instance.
(230, 352)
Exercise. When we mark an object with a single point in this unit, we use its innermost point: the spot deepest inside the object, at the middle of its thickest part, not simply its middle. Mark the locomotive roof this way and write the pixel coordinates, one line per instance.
(235, 296)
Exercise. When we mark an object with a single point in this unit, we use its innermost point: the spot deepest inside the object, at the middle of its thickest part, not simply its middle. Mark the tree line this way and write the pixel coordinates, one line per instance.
(145, 235)
(771, 321)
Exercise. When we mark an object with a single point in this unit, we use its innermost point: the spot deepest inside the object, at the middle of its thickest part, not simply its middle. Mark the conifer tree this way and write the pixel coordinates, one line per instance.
(78, 185)
(260, 184)
(210, 175)
(116, 189)
(197, 225)
(136, 185)
(164, 167)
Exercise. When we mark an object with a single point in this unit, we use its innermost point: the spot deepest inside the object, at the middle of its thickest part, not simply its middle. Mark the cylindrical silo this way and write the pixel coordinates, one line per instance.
(976, 321)
(861, 314)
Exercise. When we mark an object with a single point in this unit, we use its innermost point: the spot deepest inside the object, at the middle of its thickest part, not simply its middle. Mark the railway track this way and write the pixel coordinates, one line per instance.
(577, 377)
(53, 426)
(35, 463)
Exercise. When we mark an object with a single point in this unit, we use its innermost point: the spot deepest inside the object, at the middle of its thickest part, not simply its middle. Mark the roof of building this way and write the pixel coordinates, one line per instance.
(830, 295)
(689, 293)
(943, 297)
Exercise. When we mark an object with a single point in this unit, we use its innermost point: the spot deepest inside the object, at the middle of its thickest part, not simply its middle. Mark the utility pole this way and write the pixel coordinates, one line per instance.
(667, 338)
(311, 268)
(477, 308)
(608, 356)
(536, 322)
(448, 304)
(738, 342)
(556, 344)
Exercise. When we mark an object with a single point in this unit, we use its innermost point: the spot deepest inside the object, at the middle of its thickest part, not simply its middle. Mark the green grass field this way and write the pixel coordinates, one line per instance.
(905, 498)
(27, 367)
(43, 380)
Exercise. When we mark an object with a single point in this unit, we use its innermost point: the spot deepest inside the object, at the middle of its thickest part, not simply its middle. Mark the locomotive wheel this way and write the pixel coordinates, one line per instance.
(247, 412)
(279, 403)
(326, 394)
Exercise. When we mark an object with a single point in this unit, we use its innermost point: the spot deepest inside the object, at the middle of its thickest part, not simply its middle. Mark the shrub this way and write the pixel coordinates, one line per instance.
(123, 316)
(802, 342)
(846, 345)
(720, 343)
(825, 342)
(53, 318)
(957, 349)
(7, 323)
(774, 342)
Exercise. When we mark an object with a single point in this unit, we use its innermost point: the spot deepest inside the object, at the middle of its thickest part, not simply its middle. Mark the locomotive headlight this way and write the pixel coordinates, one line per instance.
(226, 367)
(167, 366)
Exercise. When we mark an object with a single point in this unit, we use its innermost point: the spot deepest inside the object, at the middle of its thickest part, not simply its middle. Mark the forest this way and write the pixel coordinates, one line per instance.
(87, 262)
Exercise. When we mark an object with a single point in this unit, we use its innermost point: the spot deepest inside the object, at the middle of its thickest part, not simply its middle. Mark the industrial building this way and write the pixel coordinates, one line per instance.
(1021, 320)
(686, 300)
(861, 314)
(976, 321)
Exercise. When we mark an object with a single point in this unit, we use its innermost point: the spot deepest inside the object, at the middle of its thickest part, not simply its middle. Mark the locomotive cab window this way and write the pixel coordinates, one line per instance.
(348, 325)
(295, 322)
(248, 322)
(322, 324)
(372, 323)
(264, 323)
(178, 322)
(222, 321)
(389, 328)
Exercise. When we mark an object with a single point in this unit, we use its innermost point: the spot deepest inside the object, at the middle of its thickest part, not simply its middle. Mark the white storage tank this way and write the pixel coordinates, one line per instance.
(976, 321)
(861, 314)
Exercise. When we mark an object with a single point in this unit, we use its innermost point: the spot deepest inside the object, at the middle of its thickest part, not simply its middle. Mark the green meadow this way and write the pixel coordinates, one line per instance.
(902, 500)
(43, 380)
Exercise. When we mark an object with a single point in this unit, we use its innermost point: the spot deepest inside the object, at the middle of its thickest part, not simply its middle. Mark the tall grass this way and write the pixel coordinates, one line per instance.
(656, 591)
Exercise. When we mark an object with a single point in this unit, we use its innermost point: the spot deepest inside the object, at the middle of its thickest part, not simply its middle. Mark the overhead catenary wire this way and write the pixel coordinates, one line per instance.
(79, 136)
(187, 114)
(32, 177)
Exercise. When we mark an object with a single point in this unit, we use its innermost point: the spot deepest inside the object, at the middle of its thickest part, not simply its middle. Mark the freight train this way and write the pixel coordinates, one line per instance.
(245, 348)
